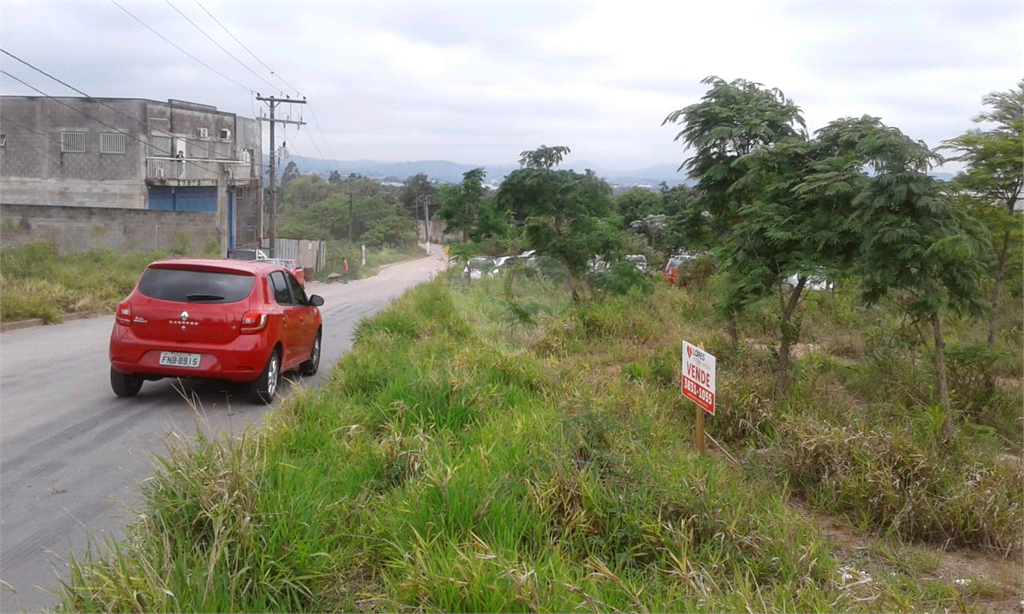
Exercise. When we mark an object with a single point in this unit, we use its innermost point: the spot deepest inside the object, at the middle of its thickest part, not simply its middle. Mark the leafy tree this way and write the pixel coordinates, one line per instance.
(463, 206)
(563, 213)
(993, 177)
(749, 153)
(788, 228)
(291, 172)
(637, 203)
(543, 157)
(416, 191)
(394, 229)
(731, 121)
(917, 243)
(304, 191)
(335, 178)
(687, 224)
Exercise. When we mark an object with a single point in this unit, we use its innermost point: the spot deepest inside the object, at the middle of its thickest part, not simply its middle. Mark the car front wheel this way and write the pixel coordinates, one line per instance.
(310, 367)
(125, 385)
(264, 387)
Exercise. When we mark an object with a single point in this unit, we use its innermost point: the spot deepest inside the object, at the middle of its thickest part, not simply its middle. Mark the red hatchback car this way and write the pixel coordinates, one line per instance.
(236, 320)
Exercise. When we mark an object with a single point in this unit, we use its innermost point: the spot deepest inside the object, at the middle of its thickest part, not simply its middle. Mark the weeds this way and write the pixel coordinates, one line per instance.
(457, 463)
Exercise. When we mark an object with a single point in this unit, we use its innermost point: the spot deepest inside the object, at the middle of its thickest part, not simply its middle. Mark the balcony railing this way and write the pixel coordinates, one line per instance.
(194, 169)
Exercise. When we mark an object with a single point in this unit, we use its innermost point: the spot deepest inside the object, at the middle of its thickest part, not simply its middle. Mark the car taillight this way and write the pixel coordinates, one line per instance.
(253, 322)
(124, 313)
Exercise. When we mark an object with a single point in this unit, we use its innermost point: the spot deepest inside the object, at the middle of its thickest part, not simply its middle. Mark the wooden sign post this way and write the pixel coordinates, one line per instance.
(698, 385)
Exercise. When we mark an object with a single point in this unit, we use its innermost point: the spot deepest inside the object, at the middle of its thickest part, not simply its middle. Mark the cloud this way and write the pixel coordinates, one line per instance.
(478, 82)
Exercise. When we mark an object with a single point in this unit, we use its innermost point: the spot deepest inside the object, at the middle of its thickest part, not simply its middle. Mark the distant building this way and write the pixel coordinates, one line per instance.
(122, 157)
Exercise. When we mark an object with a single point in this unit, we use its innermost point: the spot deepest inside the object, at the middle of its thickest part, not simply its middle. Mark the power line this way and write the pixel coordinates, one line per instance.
(169, 42)
(315, 120)
(75, 89)
(8, 120)
(90, 117)
(203, 32)
(297, 93)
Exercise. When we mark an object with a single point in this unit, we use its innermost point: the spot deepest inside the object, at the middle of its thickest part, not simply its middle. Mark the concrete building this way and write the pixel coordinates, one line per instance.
(72, 161)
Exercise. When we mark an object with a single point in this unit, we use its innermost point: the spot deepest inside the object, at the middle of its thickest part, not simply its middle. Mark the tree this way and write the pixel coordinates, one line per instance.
(637, 203)
(335, 178)
(731, 121)
(916, 242)
(543, 157)
(687, 224)
(416, 191)
(993, 177)
(466, 209)
(290, 172)
(750, 152)
(788, 228)
(395, 228)
(304, 191)
(562, 212)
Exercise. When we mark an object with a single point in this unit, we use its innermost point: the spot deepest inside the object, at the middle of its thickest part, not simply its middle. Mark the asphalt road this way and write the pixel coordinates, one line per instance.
(73, 455)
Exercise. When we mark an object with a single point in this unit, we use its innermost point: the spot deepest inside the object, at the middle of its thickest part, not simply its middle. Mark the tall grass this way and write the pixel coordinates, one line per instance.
(36, 281)
(452, 465)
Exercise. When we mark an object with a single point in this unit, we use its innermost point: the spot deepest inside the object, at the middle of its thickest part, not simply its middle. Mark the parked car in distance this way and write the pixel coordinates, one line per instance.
(477, 267)
(502, 264)
(638, 260)
(291, 265)
(670, 271)
(817, 283)
(244, 321)
(247, 254)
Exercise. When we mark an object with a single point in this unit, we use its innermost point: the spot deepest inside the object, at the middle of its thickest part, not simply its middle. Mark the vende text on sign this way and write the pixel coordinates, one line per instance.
(698, 377)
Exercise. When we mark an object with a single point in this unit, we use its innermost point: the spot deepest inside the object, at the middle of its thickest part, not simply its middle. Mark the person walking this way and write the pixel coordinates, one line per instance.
(344, 270)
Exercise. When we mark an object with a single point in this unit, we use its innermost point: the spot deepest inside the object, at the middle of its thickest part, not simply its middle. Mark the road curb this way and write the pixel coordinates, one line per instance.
(37, 322)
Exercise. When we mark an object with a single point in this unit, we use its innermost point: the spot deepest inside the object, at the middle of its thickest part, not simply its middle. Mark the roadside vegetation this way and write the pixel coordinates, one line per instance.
(455, 462)
(519, 442)
(37, 281)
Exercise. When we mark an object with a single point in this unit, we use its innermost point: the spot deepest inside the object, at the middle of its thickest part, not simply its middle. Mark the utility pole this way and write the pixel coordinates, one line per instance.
(426, 221)
(272, 103)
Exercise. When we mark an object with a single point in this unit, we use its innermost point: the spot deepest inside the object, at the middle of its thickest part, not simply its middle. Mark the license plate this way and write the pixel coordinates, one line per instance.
(179, 359)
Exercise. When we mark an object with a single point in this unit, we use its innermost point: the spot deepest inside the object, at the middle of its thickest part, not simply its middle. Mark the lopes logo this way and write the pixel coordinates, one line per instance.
(689, 351)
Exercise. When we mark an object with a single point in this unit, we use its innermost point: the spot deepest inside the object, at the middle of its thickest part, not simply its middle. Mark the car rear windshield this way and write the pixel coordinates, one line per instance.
(192, 286)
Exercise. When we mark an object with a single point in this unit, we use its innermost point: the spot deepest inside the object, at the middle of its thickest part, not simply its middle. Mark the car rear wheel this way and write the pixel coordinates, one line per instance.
(310, 367)
(264, 387)
(125, 385)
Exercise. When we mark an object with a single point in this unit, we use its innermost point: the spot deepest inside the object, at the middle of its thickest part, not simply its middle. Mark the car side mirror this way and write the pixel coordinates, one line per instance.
(316, 300)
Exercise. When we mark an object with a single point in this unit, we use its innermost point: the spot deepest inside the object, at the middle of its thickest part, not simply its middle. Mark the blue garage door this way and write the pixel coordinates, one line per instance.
(163, 198)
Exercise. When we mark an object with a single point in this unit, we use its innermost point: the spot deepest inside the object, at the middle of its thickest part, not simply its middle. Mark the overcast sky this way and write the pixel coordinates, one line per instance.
(479, 82)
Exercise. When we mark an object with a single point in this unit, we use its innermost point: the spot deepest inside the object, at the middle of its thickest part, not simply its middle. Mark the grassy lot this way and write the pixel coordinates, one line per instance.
(494, 447)
(36, 281)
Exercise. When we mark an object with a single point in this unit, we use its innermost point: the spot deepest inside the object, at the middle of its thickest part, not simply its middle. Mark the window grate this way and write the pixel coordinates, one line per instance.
(72, 142)
(112, 142)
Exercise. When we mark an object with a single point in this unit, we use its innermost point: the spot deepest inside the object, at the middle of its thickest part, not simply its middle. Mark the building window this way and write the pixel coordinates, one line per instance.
(112, 142)
(161, 146)
(72, 142)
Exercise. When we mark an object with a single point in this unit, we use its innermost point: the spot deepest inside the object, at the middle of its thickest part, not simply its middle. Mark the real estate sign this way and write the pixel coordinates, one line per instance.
(698, 381)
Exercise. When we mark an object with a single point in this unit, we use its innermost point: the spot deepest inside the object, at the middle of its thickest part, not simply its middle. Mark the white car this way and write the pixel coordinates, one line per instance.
(817, 283)
(477, 267)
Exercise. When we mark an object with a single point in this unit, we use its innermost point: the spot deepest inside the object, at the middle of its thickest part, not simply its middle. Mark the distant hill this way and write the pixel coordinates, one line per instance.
(444, 171)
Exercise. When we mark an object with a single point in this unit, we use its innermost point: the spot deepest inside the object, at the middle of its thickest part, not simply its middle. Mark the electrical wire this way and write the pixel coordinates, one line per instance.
(75, 89)
(297, 93)
(8, 120)
(169, 42)
(87, 116)
(203, 32)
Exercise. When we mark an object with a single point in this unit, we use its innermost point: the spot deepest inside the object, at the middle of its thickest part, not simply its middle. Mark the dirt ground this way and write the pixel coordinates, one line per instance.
(1002, 578)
